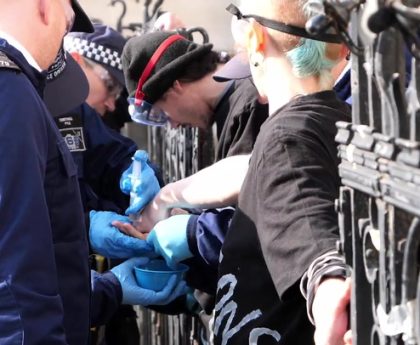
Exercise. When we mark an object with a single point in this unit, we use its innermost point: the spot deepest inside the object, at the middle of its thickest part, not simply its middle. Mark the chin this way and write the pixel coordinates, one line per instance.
(100, 111)
(262, 99)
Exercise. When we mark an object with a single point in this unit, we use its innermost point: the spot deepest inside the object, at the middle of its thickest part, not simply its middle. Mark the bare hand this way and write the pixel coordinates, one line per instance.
(330, 312)
(129, 230)
(151, 215)
(348, 338)
(178, 211)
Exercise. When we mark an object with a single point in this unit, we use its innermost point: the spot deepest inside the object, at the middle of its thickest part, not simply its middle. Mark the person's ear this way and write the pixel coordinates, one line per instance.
(44, 9)
(336, 52)
(345, 52)
(78, 58)
(177, 87)
(256, 42)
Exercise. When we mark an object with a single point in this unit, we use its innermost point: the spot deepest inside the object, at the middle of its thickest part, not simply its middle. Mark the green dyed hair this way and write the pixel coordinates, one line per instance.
(308, 58)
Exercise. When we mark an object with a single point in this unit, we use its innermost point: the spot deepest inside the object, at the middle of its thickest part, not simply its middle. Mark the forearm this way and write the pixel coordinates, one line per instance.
(330, 312)
(328, 265)
(106, 297)
(212, 187)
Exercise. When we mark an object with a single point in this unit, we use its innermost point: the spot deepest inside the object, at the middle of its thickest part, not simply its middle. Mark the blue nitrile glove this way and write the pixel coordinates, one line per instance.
(169, 238)
(144, 189)
(107, 240)
(134, 294)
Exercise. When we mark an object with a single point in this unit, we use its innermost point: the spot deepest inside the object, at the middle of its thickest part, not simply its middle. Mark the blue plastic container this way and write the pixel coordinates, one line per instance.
(155, 274)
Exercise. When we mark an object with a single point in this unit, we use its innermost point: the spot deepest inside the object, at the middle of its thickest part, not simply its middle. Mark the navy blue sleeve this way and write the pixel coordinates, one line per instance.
(206, 233)
(31, 310)
(343, 88)
(106, 297)
(107, 156)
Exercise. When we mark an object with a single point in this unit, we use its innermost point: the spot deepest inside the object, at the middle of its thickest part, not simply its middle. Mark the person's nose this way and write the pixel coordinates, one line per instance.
(174, 124)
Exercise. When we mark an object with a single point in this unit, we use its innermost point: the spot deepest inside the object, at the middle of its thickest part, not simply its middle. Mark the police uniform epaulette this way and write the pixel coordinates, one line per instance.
(5, 62)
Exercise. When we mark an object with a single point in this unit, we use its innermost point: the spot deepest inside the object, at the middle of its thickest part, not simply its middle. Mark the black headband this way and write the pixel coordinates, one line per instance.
(283, 27)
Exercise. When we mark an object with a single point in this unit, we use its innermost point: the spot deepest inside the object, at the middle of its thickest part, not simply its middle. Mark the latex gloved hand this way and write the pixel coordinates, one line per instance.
(134, 294)
(142, 190)
(169, 238)
(107, 240)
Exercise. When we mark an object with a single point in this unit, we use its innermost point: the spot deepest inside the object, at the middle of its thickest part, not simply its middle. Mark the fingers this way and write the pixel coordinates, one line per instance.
(171, 264)
(137, 261)
(347, 288)
(346, 294)
(143, 224)
(172, 290)
(181, 289)
(348, 338)
(135, 207)
(178, 211)
(141, 155)
(129, 230)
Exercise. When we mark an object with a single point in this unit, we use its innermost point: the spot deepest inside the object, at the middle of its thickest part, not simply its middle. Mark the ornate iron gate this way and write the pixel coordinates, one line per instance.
(379, 203)
(180, 152)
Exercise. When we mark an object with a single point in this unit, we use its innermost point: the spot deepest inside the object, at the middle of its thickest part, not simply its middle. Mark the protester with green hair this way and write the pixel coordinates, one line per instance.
(282, 237)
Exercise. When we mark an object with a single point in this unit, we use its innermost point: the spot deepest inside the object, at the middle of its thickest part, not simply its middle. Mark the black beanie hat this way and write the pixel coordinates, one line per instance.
(170, 66)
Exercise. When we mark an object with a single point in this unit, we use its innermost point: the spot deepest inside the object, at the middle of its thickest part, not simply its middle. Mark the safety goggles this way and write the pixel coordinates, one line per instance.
(140, 110)
(112, 86)
(146, 113)
(283, 27)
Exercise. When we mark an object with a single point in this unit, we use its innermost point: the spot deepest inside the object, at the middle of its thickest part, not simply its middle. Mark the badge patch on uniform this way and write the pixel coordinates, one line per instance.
(71, 128)
(5, 62)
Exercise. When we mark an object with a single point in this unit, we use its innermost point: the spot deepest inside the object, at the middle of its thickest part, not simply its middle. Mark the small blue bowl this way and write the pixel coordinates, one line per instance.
(155, 274)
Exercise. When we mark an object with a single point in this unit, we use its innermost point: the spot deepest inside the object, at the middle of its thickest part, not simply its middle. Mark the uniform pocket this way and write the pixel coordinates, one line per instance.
(11, 330)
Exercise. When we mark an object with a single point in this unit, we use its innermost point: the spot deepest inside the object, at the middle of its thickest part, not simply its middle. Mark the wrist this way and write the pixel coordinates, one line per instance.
(326, 293)
(165, 198)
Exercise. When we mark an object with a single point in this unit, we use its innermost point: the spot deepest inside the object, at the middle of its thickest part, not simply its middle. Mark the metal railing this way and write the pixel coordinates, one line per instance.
(180, 152)
(379, 203)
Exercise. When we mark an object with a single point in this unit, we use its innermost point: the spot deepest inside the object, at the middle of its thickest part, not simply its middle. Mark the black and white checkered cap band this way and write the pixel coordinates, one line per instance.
(93, 51)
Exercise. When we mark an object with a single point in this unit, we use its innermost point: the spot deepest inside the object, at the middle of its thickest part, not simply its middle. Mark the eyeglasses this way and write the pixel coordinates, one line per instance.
(146, 113)
(140, 110)
(112, 86)
(283, 27)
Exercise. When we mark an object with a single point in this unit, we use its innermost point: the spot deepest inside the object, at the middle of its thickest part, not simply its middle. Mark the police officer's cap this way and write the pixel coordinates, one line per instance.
(103, 46)
(81, 21)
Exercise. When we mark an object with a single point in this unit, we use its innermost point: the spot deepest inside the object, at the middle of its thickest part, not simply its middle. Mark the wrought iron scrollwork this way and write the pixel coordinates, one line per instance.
(379, 205)
(151, 11)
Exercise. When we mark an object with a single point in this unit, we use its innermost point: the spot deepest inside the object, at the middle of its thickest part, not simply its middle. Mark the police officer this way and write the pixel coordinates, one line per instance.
(101, 154)
(93, 72)
(44, 272)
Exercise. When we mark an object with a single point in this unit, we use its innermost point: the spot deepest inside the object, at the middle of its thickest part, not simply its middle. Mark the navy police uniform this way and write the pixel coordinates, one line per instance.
(44, 271)
(101, 155)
